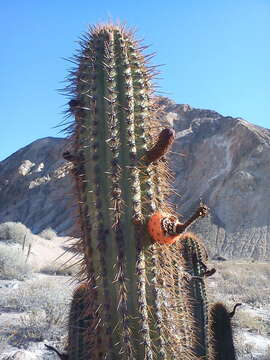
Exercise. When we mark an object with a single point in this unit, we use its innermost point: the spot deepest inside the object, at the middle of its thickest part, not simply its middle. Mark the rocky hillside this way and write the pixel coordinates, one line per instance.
(223, 160)
(35, 187)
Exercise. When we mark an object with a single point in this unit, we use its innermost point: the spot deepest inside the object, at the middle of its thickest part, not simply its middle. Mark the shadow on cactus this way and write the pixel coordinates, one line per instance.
(144, 295)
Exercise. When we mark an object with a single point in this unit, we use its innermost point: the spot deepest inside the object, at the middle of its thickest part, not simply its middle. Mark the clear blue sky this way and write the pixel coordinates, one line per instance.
(216, 56)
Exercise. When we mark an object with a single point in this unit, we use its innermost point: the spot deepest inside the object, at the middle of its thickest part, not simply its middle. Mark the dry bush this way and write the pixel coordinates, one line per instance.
(241, 281)
(248, 351)
(255, 324)
(39, 294)
(46, 305)
(13, 263)
(48, 234)
(15, 232)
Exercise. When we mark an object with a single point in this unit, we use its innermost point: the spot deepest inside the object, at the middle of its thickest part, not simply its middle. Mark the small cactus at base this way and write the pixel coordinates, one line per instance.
(192, 287)
(222, 334)
(79, 323)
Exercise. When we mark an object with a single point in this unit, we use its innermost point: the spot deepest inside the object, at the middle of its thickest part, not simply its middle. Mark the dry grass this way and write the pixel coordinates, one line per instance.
(15, 232)
(242, 281)
(44, 306)
(248, 283)
(253, 323)
(247, 351)
(13, 263)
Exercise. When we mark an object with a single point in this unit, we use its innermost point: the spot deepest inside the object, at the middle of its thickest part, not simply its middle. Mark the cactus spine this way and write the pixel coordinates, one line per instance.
(222, 334)
(117, 189)
(194, 258)
(143, 300)
(79, 323)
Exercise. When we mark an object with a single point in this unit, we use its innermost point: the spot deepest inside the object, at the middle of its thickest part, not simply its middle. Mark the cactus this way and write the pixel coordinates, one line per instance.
(144, 299)
(79, 323)
(194, 258)
(222, 335)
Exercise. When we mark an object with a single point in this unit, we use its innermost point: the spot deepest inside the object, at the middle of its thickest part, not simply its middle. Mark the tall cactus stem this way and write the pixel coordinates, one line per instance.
(134, 296)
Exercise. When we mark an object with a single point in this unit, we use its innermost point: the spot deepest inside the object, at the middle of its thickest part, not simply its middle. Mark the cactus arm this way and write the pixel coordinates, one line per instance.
(192, 261)
(165, 140)
(202, 211)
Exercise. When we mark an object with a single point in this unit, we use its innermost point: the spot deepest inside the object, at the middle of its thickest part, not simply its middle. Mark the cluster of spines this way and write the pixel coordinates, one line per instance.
(222, 346)
(112, 83)
(193, 261)
(79, 322)
(118, 188)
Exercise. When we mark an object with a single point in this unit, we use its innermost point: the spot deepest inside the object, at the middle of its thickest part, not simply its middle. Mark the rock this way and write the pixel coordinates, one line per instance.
(218, 258)
(34, 187)
(225, 161)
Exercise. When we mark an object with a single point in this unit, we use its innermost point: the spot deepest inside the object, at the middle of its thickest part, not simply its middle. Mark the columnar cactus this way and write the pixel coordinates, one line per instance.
(79, 322)
(194, 258)
(222, 334)
(134, 278)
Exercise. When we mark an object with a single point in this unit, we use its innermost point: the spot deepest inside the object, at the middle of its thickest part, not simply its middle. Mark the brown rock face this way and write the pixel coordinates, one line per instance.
(223, 160)
(226, 162)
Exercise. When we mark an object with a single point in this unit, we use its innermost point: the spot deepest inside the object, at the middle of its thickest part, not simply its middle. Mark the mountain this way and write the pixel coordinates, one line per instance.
(223, 160)
(226, 162)
(35, 187)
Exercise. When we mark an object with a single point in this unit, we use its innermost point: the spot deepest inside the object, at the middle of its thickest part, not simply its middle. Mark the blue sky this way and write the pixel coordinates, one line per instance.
(216, 56)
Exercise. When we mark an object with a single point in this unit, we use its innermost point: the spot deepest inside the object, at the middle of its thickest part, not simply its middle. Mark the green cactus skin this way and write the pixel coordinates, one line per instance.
(78, 323)
(194, 257)
(222, 335)
(133, 297)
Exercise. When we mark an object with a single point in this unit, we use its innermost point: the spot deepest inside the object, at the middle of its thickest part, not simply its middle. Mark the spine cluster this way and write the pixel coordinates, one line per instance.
(139, 298)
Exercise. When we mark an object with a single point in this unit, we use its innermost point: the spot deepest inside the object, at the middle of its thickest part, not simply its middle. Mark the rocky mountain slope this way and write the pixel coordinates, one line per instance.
(35, 187)
(223, 160)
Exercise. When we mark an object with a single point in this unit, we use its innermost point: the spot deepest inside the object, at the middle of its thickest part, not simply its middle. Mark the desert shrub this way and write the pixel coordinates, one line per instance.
(254, 323)
(15, 232)
(13, 263)
(46, 304)
(248, 351)
(44, 295)
(242, 282)
(48, 234)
